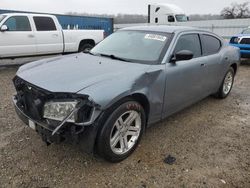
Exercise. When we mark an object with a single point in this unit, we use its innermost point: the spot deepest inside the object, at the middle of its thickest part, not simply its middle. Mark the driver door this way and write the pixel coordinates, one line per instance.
(184, 79)
(19, 39)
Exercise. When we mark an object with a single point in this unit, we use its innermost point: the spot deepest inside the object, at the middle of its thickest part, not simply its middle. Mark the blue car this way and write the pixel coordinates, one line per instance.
(242, 41)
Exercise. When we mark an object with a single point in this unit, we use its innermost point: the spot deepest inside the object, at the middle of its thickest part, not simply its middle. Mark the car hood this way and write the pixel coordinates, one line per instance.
(73, 73)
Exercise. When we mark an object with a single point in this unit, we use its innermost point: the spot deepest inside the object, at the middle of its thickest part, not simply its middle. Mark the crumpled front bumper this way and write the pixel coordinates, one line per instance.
(85, 138)
(44, 130)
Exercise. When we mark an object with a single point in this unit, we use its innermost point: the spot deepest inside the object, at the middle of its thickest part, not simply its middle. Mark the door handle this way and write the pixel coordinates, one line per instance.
(55, 35)
(203, 64)
(31, 36)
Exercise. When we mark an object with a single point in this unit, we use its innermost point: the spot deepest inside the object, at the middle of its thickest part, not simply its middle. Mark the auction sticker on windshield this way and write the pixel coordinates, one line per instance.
(155, 37)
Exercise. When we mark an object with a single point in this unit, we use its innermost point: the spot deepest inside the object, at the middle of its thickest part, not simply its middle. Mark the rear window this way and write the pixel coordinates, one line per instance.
(210, 44)
(44, 24)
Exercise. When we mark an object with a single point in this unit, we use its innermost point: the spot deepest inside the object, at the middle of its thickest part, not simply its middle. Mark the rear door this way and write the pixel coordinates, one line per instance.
(19, 39)
(211, 46)
(49, 38)
(184, 79)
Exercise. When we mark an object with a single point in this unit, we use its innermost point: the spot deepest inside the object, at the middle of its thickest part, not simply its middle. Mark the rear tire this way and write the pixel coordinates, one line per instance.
(122, 131)
(226, 85)
(85, 47)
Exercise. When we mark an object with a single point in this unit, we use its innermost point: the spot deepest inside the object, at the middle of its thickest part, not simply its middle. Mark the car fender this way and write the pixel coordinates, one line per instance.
(151, 84)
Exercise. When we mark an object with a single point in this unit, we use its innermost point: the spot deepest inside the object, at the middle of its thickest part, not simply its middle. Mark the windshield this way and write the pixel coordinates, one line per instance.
(134, 46)
(246, 31)
(181, 18)
(2, 17)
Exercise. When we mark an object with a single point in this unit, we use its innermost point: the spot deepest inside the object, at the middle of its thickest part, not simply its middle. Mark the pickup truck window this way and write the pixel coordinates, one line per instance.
(44, 23)
(2, 17)
(18, 23)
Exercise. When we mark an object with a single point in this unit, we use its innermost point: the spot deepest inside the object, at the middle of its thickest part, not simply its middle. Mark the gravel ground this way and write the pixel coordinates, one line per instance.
(210, 141)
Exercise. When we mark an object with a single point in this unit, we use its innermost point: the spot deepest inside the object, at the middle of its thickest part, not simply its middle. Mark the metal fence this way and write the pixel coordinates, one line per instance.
(224, 28)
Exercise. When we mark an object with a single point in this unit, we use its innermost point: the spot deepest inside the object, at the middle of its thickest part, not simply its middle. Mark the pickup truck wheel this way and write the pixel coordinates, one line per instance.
(226, 85)
(85, 47)
(121, 132)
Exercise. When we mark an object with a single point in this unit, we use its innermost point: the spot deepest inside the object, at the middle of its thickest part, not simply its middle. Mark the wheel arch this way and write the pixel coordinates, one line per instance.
(138, 97)
(235, 67)
(143, 100)
(86, 41)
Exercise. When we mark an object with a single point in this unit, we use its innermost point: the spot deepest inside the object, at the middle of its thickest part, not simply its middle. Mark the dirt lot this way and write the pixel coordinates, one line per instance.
(210, 141)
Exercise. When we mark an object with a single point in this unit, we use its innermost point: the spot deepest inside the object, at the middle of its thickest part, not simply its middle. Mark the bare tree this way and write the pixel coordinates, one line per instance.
(229, 12)
(243, 10)
(236, 11)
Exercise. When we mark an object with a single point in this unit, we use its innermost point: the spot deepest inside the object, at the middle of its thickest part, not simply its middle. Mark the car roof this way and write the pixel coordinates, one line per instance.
(171, 29)
(26, 14)
(163, 28)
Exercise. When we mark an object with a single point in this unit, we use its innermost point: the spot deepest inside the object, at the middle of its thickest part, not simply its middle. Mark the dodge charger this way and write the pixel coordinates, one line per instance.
(104, 99)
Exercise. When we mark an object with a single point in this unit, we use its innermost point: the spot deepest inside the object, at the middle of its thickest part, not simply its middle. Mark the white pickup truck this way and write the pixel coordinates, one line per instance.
(23, 34)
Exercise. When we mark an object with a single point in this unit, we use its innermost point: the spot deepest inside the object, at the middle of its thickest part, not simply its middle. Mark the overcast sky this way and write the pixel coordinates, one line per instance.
(114, 6)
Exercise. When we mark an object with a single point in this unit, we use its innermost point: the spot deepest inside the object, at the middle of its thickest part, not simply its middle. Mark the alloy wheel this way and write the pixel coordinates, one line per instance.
(125, 132)
(228, 83)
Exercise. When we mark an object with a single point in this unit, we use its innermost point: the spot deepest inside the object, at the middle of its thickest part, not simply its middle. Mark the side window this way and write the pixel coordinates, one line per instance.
(156, 20)
(18, 23)
(44, 23)
(210, 44)
(171, 19)
(189, 42)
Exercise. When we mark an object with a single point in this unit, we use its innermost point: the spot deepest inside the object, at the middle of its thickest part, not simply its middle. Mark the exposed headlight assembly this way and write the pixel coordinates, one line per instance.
(59, 110)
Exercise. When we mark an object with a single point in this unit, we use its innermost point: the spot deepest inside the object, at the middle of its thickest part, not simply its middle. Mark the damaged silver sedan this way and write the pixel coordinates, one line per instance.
(104, 99)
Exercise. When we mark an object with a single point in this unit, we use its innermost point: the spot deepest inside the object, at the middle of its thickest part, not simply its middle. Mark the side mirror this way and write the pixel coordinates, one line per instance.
(182, 55)
(4, 28)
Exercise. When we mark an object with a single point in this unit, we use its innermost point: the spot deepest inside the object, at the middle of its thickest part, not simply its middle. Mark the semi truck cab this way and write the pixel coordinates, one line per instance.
(165, 14)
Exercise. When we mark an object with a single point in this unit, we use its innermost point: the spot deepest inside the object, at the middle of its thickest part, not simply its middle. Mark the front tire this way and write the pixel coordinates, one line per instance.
(227, 84)
(121, 132)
